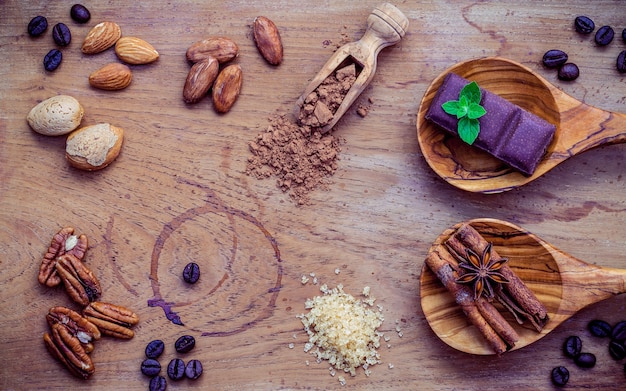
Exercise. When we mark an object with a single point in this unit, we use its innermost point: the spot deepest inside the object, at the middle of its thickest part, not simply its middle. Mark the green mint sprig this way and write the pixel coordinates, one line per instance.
(467, 110)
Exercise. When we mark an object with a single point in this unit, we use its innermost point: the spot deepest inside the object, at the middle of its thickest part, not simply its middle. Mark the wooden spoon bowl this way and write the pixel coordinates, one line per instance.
(561, 282)
(579, 127)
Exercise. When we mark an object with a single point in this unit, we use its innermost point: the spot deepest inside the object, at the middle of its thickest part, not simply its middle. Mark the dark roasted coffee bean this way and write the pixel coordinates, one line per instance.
(621, 62)
(176, 369)
(619, 331)
(585, 360)
(155, 348)
(80, 13)
(617, 350)
(560, 376)
(193, 369)
(624, 35)
(191, 273)
(584, 25)
(61, 34)
(184, 344)
(568, 72)
(37, 25)
(150, 367)
(554, 58)
(599, 328)
(572, 346)
(604, 35)
(52, 60)
(158, 383)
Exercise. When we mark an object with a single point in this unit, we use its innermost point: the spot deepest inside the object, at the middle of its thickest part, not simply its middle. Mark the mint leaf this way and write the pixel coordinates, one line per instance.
(475, 111)
(467, 110)
(451, 107)
(468, 129)
(472, 92)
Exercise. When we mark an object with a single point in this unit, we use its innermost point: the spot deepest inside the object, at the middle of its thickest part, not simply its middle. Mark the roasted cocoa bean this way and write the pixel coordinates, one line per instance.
(150, 367)
(585, 360)
(37, 26)
(617, 350)
(193, 369)
(621, 62)
(158, 383)
(599, 328)
(560, 376)
(185, 343)
(584, 25)
(52, 60)
(80, 13)
(61, 34)
(554, 58)
(604, 35)
(176, 369)
(618, 332)
(191, 273)
(572, 346)
(155, 348)
(568, 72)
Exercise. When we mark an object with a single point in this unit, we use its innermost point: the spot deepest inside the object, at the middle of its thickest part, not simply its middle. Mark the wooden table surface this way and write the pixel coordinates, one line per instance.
(179, 193)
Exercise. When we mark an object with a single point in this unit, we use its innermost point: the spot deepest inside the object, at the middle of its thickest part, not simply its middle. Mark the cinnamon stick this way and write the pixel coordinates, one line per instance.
(481, 313)
(514, 296)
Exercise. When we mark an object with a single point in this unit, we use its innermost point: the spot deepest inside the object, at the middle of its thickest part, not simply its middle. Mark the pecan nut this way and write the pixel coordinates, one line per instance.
(68, 349)
(112, 320)
(63, 242)
(80, 283)
(78, 325)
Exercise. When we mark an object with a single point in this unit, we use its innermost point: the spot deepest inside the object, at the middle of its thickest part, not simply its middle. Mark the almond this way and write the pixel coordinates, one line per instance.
(200, 79)
(227, 88)
(135, 51)
(222, 48)
(56, 116)
(94, 147)
(267, 39)
(113, 76)
(101, 37)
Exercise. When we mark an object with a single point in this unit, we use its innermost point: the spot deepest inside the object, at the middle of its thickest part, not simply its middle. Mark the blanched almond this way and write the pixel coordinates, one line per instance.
(101, 37)
(94, 147)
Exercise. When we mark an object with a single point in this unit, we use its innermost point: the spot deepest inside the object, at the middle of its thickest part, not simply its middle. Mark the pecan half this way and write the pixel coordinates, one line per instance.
(68, 349)
(78, 325)
(80, 283)
(111, 319)
(63, 242)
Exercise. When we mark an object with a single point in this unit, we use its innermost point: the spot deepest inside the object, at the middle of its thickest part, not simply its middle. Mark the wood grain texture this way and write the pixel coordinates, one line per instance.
(178, 192)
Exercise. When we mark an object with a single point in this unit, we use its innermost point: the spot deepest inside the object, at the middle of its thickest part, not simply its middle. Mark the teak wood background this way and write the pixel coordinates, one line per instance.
(179, 193)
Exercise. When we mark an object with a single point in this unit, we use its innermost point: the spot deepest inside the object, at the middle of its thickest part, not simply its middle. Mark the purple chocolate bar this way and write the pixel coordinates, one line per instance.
(508, 132)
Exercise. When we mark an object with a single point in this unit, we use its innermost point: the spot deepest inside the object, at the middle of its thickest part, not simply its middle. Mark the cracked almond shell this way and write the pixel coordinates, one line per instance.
(94, 147)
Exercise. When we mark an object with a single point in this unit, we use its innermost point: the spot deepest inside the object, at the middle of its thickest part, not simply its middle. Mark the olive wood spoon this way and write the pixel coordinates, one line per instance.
(579, 127)
(386, 25)
(564, 284)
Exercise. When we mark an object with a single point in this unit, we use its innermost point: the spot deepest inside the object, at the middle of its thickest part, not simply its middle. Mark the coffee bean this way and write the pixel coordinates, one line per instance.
(584, 25)
(599, 328)
(568, 72)
(158, 383)
(37, 25)
(585, 360)
(554, 58)
(624, 35)
(193, 370)
(52, 60)
(560, 376)
(61, 34)
(621, 62)
(80, 13)
(617, 350)
(618, 332)
(155, 348)
(184, 344)
(191, 273)
(176, 369)
(572, 346)
(604, 35)
(150, 367)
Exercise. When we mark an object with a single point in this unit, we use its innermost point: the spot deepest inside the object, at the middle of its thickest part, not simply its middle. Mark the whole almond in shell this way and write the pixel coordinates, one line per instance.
(113, 76)
(135, 51)
(94, 147)
(101, 37)
(56, 116)
(267, 39)
(221, 48)
(227, 87)
(200, 79)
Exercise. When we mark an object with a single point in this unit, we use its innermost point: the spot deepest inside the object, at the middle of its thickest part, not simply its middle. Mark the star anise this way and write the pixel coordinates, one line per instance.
(483, 272)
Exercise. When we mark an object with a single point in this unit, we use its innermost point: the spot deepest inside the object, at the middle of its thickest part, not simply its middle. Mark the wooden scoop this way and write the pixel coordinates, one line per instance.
(386, 26)
(579, 127)
(561, 282)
